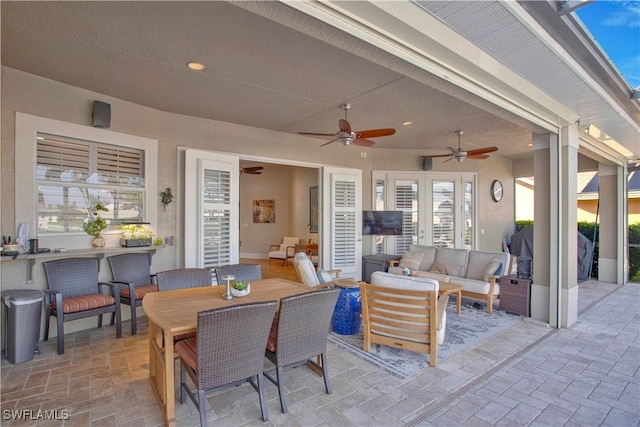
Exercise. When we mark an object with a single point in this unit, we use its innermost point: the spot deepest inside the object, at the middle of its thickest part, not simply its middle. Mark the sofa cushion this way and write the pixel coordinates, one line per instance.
(428, 258)
(452, 257)
(479, 260)
(476, 286)
(380, 278)
(448, 269)
(411, 260)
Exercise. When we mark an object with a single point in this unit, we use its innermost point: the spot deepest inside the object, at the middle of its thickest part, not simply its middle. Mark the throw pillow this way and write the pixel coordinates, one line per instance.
(411, 260)
(491, 268)
(439, 268)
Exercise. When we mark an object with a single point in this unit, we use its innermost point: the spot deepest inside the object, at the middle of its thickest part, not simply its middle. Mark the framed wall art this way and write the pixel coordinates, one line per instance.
(264, 211)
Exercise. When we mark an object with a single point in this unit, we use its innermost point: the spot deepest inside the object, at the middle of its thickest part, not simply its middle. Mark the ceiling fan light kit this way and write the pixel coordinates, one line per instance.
(459, 154)
(348, 136)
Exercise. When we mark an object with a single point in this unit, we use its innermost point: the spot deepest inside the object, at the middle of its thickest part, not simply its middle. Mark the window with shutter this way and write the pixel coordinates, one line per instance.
(72, 176)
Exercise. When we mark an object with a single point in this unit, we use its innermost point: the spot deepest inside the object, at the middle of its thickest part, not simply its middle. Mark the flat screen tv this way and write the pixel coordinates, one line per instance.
(382, 223)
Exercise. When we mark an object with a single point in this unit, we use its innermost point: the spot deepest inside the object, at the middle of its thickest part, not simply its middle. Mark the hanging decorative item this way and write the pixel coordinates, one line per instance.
(166, 197)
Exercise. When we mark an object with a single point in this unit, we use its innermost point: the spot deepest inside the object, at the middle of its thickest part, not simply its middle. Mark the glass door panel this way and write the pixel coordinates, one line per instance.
(443, 226)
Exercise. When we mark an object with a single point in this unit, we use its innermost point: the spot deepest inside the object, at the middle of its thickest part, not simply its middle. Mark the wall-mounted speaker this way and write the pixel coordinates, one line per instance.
(427, 163)
(101, 114)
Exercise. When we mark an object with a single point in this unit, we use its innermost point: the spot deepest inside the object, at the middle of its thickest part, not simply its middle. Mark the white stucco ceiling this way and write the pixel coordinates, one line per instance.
(263, 69)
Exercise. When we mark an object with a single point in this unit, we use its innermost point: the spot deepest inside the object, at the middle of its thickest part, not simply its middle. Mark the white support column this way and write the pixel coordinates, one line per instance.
(612, 254)
(568, 229)
(544, 202)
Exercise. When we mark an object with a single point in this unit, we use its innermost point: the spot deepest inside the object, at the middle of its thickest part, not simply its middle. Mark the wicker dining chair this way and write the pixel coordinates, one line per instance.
(133, 272)
(298, 333)
(74, 293)
(183, 278)
(222, 354)
(241, 272)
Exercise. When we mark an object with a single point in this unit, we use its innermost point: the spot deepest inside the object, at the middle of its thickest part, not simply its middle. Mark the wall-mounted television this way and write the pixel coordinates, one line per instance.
(382, 223)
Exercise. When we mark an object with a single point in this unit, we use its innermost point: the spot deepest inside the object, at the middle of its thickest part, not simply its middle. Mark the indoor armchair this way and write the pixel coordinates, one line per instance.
(285, 250)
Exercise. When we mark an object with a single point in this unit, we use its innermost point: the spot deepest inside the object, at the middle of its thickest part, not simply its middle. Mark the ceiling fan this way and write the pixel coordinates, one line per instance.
(347, 136)
(252, 170)
(460, 154)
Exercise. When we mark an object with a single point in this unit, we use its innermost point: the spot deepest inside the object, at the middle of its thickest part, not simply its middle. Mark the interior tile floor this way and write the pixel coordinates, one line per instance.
(528, 375)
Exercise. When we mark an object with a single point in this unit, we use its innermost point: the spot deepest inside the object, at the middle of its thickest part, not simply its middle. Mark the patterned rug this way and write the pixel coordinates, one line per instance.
(464, 330)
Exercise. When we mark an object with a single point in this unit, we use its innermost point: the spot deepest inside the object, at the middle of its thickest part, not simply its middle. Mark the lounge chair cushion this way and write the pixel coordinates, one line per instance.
(139, 291)
(84, 302)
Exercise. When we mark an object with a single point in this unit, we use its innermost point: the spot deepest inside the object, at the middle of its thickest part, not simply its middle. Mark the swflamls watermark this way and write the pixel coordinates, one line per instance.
(30, 414)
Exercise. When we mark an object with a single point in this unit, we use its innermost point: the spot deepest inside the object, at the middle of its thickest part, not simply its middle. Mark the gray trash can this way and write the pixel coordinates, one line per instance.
(23, 309)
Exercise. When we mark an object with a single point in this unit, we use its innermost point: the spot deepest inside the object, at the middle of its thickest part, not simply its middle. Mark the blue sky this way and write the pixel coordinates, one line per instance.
(616, 27)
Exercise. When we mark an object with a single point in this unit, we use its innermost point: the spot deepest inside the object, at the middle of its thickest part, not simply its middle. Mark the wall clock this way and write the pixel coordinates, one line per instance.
(497, 191)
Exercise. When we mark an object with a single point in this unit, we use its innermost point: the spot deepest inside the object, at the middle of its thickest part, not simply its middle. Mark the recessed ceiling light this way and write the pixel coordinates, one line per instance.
(529, 145)
(195, 66)
(407, 123)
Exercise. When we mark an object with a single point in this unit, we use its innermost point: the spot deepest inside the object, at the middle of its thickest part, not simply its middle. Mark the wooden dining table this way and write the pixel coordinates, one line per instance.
(174, 313)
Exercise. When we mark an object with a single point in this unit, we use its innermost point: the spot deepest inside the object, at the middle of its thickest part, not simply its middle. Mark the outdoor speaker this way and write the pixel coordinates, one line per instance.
(427, 163)
(101, 114)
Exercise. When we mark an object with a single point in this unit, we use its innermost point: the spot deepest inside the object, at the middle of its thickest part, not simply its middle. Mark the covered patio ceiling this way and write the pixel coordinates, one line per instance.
(271, 66)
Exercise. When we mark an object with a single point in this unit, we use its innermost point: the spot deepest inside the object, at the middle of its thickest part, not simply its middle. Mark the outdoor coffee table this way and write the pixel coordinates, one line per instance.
(448, 289)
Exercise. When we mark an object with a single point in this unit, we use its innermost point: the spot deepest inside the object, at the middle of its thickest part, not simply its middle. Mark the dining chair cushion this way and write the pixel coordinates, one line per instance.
(84, 302)
(272, 342)
(139, 291)
(188, 350)
(181, 337)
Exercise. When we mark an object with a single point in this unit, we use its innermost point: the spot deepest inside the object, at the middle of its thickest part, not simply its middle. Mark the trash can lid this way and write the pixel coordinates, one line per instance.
(21, 296)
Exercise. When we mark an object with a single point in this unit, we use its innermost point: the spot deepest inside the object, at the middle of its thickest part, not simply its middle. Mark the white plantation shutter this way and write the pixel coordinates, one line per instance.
(216, 218)
(116, 162)
(344, 224)
(406, 201)
(57, 156)
(73, 175)
(341, 208)
(211, 220)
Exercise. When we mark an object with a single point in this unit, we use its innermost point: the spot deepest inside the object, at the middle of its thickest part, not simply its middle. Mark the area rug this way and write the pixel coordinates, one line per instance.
(464, 330)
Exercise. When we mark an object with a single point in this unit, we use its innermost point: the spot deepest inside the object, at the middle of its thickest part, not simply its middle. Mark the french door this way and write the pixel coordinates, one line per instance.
(211, 209)
(438, 209)
(341, 228)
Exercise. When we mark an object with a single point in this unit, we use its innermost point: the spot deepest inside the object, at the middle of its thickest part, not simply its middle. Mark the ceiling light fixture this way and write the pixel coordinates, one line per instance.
(195, 66)
(407, 123)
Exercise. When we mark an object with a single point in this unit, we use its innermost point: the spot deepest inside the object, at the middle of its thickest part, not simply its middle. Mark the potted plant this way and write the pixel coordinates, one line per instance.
(239, 288)
(136, 235)
(95, 225)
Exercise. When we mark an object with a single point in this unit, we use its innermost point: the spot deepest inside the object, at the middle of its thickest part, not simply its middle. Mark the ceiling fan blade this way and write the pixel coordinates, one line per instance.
(478, 156)
(317, 134)
(439, 155)
(363, 142)
(253, 168)
(344, 126)
(374, 133)
(327, 143)
(483, 150)
(254, 172)
(453, 150)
